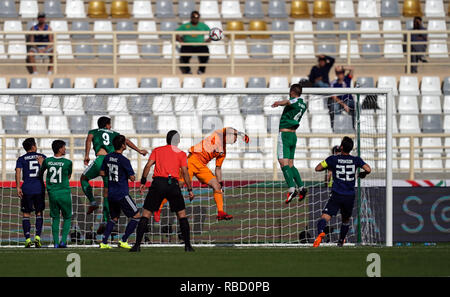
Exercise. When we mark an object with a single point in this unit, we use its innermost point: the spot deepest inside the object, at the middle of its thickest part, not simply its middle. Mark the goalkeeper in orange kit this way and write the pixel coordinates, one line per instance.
(212, 147)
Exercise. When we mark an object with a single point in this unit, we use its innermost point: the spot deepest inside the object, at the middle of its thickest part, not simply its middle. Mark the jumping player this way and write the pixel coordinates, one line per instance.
(32, 192)
(342, 196)
(212, 147)
(293, 111)
(58, 188)
(102, 140)
(117, 169)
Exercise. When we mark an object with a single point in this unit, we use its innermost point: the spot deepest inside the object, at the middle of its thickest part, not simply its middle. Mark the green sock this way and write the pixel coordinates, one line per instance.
(105, 210)
(288, 176)
(66, 229)
(55, 229)
(297, 178)
(87, 189)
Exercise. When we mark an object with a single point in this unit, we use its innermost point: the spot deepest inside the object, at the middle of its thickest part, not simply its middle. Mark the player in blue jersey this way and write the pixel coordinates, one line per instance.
(118, 170)
(342, 196)
(32, 192)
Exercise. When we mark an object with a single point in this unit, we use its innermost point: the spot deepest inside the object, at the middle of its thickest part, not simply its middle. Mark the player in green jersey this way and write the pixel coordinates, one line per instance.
(59, 170)
(294, 108)
(102, 141)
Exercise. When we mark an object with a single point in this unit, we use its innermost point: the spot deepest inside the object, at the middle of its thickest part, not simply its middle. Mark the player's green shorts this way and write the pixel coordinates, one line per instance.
(93, 170)
(286, 145)
(60, 202)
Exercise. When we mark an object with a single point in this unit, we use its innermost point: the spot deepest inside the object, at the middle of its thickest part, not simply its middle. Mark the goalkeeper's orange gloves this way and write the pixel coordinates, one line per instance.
(244, 136)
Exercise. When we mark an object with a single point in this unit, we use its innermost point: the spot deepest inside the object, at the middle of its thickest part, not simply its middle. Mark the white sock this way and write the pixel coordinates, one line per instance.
(291, 190)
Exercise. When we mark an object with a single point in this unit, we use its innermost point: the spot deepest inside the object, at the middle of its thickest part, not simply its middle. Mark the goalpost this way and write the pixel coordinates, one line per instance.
(254, 185)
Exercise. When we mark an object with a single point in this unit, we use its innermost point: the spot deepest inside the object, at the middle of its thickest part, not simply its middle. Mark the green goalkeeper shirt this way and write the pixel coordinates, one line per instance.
(293, 113)
(103, 138)
(58, 171)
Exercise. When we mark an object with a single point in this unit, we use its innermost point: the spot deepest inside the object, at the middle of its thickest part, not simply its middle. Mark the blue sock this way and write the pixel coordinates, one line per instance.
(39, 223)
(108, 230)
(344, 230)
(26, 227)
(321, 224)
(131, 226)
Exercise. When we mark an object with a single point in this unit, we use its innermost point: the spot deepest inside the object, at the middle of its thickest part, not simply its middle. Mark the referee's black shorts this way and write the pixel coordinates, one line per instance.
(161, 189)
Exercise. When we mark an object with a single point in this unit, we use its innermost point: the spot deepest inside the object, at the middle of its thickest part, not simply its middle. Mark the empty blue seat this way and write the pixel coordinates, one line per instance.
(28, 105)
(213, 82)
(347, 25)
(370, 50)
(80, 26)
(446, 86)
(149, 82)
(139, 105)
(325, 25)
(62, 83)
(280, 25)
(146, 125)
(52, 9)
(147, 51)
(105, 51)
(13, 124)
(185, 7)
(253, 9)
(326, 49)
(8, 9)
(257, 82)
(277, 9)
(365, 82)
(18, 83)
(125, 26)
(87, 51)
(259, 51)
(79, 124)
(432, 123)
(103, 83)
(168, 26)
(252, 105)
(389, 8)
(164, 9)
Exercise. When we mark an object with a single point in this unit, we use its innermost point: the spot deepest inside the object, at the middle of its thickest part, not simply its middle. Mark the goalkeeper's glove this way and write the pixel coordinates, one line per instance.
(244, 136)
(362, 174)
(221, 185)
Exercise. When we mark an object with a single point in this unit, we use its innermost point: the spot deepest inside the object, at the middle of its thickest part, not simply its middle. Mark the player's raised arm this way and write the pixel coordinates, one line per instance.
(87, 148)
(145, 173)
(134, 147)
(281, 103)
(187, 179)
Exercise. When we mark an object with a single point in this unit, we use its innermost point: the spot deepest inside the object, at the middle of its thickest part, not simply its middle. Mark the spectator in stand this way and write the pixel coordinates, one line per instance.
(319, 73)
(45, 43)
(417, 44)
(336, 104)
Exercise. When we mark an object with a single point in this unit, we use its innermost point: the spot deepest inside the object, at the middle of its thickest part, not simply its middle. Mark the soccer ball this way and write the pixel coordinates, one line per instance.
(216, 34)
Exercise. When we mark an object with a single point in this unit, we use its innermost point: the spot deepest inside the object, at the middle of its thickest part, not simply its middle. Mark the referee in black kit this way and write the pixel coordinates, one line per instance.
(168, 161)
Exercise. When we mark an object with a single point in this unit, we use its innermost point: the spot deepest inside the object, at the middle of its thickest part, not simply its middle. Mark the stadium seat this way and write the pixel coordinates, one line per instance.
(434, 8)
(217, 50)
(125, 26)
(236, 26)
(184, 105)
(28, 105)
(278, 82)
(97, 9)
(103, 26)
(206, 105)
(412, 8)
(64, 49)
(75, 9)
(231, 9)
(7, 105)
(58, 125)
(150, 51)
(83, 83)
(381, 124)
(370, 26)
(229, 105)
(162, 104)
(79, 124)
(13, 124)
(214, 82)
(138, 105)
(393, 49)
(273, 123)
(347, 25)
(438, 48)
(165, 123)
(209, 9)
(52, 9)
(268, 101)
(257, 25)
(214, 24)
(303, 26)
(446, 86)
(192, 83)
(211, 123)
(8, 9)
(235, 83)
(344, 9)
(438, 26)
(322, 9)
(365, 82)
(103, 83)
(36, 124)
(148, 82)
(142, 9)
(367, 9)
(13, 26)
(409, 85)
(236, 121)
(73, 105)
(146, 124)
(40, 83)
(60, 26)
(299, 9)
(281, 49)
(28, 9)
(119, 9)
(277, 9)
(354, 50)
(446, 123)
(432, 161)
(256, 82)
(389, 8)
(232, 163)
(280, 25)
(253, 9)
(251, 104)
(18, 83)
(239, 49)
(325, 25)
(80, 26)
(409, 124)
(185, 7)
(124, 124)
(430, 144)
(105, 51)
(167, 26)
(253, 161)
(147, 26)
(127, 83)
(128, 49)
(170, 83)
(431, 85)
(343, 124)
(432, 123)
(317, 105)
(84, 51)
(392, 25)
(388, 82)
(447, 104)
(321, 123)
(95, 105)
(408, 104)
(304, 49)
(189, 125)
(164, 9)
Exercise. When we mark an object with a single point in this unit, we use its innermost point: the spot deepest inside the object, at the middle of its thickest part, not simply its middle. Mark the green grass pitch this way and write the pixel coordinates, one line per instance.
(416, 260)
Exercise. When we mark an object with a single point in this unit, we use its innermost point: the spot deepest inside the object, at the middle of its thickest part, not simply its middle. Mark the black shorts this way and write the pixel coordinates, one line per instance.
(126, 204)
(343, 203)
(161, 189)
(30, 203)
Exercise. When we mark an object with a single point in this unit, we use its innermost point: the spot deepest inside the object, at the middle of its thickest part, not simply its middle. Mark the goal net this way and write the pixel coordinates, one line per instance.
(254, 187)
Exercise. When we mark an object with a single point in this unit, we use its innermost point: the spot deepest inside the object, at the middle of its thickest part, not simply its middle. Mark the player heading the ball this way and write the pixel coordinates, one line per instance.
(343, 167)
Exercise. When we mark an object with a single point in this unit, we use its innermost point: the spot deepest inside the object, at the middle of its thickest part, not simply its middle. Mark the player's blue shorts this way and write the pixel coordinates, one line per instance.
(126, 204)
(343, 203)
(34, 202)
